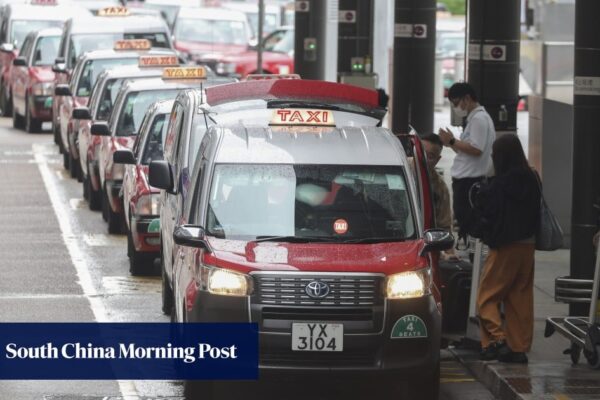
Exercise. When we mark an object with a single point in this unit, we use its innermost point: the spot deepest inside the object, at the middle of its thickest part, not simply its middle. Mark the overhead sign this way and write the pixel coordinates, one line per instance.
(347, 16)
(302, 6)
(184, 73)
(133, 44)
(113, 12)
(158, 61)
(586, 86)
(302, 117)
(490, 52)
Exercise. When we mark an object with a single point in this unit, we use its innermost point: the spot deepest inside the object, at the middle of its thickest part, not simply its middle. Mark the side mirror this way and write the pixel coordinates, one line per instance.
(191, 236)
(123, 157)
(159, 175)
(81, 113)
(100, 129)
(437, 240)
(7, 47)
(62, 90)
(20, 62)
(59, 68)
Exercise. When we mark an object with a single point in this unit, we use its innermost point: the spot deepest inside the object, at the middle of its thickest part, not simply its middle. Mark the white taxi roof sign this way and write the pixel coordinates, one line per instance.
(184, 73)
(44, 2)
(158, 61)
(266, 77)
(113, 12)
(302, 117)
(133, 44)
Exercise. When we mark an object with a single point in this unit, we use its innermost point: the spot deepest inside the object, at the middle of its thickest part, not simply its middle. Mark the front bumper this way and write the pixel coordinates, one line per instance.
(42, 108)
(368, 346)
(143, 240)
(113, 190)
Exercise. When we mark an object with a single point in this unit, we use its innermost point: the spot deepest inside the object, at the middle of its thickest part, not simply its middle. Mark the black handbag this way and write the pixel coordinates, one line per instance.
(549, 235)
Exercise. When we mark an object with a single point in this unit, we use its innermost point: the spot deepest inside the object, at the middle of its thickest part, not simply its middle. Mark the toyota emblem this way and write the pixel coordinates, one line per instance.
(317, 289)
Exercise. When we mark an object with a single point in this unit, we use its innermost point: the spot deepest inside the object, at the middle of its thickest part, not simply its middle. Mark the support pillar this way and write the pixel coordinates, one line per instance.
(414, 62)
(586, 142)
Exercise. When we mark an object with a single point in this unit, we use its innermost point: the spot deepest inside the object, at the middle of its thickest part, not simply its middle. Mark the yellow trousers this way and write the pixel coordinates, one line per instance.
(507, 279)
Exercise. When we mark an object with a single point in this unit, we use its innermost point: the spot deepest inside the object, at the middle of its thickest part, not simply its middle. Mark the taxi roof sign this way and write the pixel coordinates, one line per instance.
(265, 77)
(44, 2)
(133, 44)
(184, 73)
(158, 61)
(113, 12)
(302, 117)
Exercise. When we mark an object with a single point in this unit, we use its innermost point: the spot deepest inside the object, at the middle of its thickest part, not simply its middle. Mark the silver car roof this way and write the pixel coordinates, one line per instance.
(158, 83)
(344, 146)
(129, 24)
(110, 53)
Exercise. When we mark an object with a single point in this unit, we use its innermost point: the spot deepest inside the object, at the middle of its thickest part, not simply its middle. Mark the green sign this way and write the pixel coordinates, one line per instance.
(408, 327)
(154, 226)
(48, 102)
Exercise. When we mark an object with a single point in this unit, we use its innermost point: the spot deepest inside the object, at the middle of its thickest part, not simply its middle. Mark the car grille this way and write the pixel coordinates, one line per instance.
(345, 290)
(348, 358)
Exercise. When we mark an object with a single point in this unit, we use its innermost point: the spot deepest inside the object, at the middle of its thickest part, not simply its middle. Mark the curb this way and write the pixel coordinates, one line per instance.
(487, 375)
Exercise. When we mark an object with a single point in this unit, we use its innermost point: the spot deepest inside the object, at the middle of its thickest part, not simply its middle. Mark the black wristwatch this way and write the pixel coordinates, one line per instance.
(451, 142)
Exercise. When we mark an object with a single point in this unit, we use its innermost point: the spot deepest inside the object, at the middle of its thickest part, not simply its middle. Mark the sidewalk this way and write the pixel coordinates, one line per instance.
(549, 374)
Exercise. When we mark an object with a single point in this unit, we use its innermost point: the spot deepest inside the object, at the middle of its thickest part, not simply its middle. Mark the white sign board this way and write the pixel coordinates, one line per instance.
(347, 16)
(586, 86)
(403, 30)
(302, 6)
(420, 31)
(491, 52)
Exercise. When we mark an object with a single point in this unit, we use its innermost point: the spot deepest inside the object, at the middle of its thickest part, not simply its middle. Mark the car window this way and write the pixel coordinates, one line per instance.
(286, 44)
(46, 50)
(196, 137)
(175, 121)
(338, 202)
(83, 43)
(93, 68)
(158, 39)
(25, 50)
(209, 31)
(135, 106)
(153, 149)
(20, 28)
(108, 98)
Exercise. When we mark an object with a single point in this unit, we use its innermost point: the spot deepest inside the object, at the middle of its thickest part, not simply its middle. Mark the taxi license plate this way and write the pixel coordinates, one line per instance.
(317, 336)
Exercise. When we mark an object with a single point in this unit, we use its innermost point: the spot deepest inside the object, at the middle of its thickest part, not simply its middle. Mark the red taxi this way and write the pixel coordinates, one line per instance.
(123, 126)
(140, 200)
(77, 93)
(17, 20)
(31, 79)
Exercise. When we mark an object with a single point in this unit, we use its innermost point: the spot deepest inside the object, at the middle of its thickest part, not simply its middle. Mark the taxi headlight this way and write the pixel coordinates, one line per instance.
(148, 204)
(408, 285)
(225, 68)
(42, 89)
(228, 283)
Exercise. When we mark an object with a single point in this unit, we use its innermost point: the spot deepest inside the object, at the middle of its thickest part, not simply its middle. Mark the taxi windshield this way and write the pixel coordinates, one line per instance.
(108, 97)
(46, 50)
(135, 106)
(211, 31)
(20, 29)
(153, 149)
(285, 44)
(333, 202)
(93, 68)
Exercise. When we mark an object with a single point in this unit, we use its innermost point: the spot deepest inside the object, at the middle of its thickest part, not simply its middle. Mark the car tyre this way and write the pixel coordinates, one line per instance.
(5, 102)
(74, 169)
(112, 218)
(94, 196)
(65, 154)
(56, 132)
(32, 125)
(18, 121)
(139, 263)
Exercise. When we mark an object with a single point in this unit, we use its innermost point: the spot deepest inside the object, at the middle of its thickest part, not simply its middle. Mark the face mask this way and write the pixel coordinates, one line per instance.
(460, 112)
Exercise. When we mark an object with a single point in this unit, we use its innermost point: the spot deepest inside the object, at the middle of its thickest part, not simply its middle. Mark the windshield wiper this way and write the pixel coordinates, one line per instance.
(375, 240)
(294, 239)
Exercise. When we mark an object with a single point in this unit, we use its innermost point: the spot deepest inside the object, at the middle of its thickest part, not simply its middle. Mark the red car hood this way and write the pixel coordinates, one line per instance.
(42, 73)
(386, 258)
(208, 50)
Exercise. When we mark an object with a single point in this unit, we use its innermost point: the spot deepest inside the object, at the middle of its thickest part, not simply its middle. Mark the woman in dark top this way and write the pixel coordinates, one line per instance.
(510, 209)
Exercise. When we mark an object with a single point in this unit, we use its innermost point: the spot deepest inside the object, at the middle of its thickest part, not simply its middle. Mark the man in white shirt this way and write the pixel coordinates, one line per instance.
(473, 150)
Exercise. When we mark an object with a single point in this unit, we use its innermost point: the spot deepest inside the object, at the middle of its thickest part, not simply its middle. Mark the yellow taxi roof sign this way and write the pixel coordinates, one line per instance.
(184, 73)
(158, 61)
(119, 11)
(265, 77)
(302, 117)
(133, 44)
(44, 2)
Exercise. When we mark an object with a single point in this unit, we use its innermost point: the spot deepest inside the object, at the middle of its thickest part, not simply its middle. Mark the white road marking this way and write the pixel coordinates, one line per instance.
(62, 211)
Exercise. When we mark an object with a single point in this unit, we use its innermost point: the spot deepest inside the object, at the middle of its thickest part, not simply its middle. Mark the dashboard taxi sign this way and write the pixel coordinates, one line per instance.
(340, 226)
(133, 44)
(158, 61)
(184, 73)
(302, 117)
(113, 12)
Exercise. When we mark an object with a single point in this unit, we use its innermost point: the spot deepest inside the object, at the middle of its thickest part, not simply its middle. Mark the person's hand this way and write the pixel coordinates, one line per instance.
(450, 255)
(446, 136)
